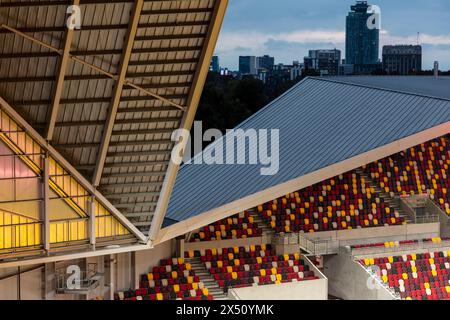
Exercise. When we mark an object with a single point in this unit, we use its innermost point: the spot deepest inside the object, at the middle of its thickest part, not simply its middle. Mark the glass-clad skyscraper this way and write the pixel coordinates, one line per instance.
(361, 43)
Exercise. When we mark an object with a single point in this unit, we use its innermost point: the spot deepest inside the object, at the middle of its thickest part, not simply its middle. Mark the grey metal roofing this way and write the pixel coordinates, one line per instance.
(423, 85)
(171, 36)
(321, 122)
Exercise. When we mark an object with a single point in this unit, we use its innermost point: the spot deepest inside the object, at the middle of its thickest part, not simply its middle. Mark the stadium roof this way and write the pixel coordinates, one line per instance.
(327, 127)
(108, 96)
(421, 85)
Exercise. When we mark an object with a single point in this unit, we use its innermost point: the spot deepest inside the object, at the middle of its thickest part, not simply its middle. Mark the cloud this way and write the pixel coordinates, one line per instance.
(230, 41)
(295, 44)
(424, 39)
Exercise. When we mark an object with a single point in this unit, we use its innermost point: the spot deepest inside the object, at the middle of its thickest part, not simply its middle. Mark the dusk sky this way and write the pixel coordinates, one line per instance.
(286, 29)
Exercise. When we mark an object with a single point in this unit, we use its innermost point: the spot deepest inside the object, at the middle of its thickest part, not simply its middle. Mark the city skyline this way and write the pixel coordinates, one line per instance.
(287, 31)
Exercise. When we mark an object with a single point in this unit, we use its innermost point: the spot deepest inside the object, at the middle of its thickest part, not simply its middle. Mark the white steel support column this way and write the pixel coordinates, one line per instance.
(92, 223)
(45, 207)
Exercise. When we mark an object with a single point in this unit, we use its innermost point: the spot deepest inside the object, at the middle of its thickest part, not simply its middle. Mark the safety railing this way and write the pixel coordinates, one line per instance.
(67, 230)
(319, 246)
(285, 238)
(17, 231)
(414, 246)
(73, 278)
(63, 184)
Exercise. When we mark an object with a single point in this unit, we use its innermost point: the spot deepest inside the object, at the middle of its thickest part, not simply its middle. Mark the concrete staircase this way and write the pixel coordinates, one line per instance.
(266, 230)
(200, 270)
(393, 203)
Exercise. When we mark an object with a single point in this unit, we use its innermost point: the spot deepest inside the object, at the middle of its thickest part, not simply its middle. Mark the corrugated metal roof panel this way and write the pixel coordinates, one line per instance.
(320, 123)
(422, 85)
(165, 53)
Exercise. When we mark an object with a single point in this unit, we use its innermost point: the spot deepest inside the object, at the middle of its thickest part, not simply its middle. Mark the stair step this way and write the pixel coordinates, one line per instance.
(385, 196)
(205, 277)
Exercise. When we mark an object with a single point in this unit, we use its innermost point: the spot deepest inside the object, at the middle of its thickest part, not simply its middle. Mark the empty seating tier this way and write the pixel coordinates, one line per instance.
(343, 202)
(171, 280)
(236, 227)
(419, 170)
(415, 276)
(253, 265)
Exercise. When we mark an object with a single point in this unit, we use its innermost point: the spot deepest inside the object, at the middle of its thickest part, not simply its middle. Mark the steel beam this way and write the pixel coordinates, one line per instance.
(124, 121)
(108, 186)
(92, 223)
(144, 131)
(133, 195)
(94, 100)
(69, 168)
(89, 65)
(125, 164)
(138, 153)
(57, 91)
(45, 214)
(35, 3)
(188, 118)
(114, 27)
(134, 174)
(117, 92)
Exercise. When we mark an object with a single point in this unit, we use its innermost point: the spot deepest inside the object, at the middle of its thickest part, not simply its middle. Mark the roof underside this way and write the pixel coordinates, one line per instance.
(165, 51)
(321, 123)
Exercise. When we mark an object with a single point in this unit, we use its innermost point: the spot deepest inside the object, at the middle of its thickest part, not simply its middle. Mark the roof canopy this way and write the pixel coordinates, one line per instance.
(326, 127)
(107, 96)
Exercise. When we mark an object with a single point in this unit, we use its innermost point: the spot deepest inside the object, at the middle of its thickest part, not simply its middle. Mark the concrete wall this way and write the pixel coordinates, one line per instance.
(349, 281)
(145, 260)
(30, 284)
(379, 234)
(302, 290)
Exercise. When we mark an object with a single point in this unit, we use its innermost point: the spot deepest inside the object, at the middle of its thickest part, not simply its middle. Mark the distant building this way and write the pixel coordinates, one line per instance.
(263, 74)
(326, 62)
(361, 42)
(367, 68)
(402, 59)
(266, 62)
(224, 72)
(346, 69)
(248, 65)
(214, 66)
(296, 70)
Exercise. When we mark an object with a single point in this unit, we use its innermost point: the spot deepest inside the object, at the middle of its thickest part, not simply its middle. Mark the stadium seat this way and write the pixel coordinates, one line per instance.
(341, 203)
(238, 226)
(172, 279)
(422, 169)
(416, 276)
(254, 265)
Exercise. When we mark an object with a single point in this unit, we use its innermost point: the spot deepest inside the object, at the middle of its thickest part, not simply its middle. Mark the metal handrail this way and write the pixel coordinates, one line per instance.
(420, 245)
